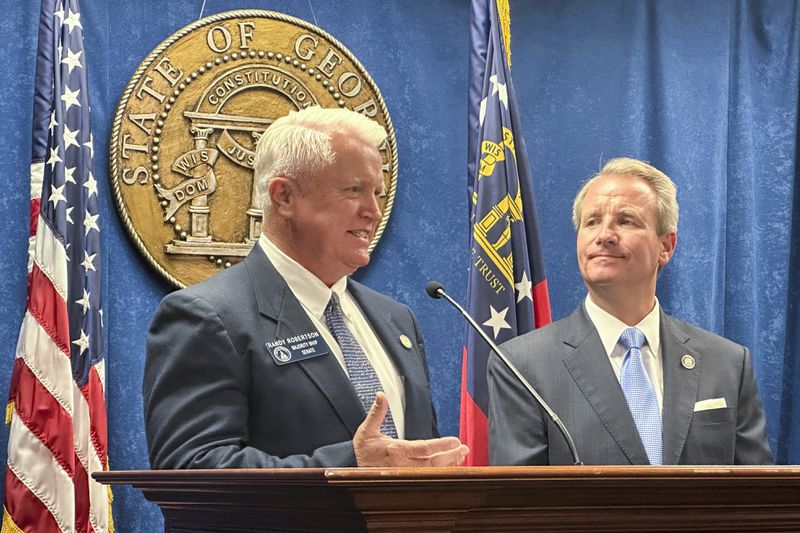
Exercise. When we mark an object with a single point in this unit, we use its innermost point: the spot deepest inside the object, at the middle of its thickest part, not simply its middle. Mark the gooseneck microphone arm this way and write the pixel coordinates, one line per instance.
(436, 290)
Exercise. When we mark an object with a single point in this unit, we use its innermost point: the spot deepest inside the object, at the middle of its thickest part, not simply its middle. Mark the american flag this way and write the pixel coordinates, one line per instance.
(56, 409)
(506, 285)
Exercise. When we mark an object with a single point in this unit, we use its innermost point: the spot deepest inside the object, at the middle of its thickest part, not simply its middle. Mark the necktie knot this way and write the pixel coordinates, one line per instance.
(333, 307)
(632, 338)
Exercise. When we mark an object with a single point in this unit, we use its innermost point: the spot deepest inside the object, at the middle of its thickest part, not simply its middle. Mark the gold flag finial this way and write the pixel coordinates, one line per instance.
(504, 16)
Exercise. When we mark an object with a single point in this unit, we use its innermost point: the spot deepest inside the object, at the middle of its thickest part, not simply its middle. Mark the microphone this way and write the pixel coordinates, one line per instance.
(436, 290)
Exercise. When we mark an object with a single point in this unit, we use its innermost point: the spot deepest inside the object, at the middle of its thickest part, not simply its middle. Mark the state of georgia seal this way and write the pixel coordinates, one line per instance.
(184, 133)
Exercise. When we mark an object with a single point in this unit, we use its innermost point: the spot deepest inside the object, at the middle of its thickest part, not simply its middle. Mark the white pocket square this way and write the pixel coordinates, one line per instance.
(712, 403)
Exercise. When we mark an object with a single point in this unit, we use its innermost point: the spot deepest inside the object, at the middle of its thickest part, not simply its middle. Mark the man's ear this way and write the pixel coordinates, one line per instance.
(282, 192)
(668, 243)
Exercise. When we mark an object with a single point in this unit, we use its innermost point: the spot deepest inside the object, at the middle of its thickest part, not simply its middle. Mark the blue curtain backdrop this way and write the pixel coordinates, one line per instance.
(705, 90)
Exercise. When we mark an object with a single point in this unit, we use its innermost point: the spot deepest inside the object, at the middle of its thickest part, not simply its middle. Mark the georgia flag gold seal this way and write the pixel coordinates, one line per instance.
(184, 132)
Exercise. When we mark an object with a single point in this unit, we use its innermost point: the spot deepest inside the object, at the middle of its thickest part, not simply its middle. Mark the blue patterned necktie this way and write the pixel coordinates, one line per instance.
(362, 375)
(641, 395)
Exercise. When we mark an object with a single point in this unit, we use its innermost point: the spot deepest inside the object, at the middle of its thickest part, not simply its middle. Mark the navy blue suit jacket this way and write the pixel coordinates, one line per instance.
(567, 364)
(215, 398)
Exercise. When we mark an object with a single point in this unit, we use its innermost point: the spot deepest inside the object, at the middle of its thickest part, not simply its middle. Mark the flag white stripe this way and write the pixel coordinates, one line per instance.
(37, 469)
(37, 176)
(47, 362)
(100, 367)
(86, 452)
(51, 258)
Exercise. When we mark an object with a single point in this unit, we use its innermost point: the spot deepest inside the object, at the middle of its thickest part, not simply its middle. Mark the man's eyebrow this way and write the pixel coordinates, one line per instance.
(630, 212)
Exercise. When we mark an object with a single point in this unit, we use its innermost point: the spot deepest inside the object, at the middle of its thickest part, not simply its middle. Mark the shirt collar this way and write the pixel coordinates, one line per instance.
(312, 293)
(610, 328)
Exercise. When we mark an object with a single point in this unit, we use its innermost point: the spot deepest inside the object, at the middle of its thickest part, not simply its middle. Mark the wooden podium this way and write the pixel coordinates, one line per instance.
(585, 498)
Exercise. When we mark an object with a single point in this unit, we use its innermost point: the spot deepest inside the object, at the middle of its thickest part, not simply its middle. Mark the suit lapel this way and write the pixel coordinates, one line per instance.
(406, 363)
(278, 305)
(589, 366)
(681, 386)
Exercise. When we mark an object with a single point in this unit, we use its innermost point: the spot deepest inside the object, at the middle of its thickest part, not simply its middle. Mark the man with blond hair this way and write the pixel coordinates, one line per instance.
(632, 384)
(282, 360)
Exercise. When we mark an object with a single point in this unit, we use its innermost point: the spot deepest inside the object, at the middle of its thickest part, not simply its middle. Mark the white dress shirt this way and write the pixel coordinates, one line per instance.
(610, 329)
(314, 296)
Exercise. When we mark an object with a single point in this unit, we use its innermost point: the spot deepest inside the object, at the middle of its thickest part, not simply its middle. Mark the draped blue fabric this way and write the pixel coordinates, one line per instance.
(705, 90)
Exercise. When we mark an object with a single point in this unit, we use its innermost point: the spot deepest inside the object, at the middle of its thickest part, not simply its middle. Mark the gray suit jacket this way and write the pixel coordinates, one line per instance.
(215, 398)
(566, 363)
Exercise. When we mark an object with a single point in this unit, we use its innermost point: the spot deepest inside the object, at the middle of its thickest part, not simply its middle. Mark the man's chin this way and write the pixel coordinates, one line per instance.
(358, 261)
(604, 279)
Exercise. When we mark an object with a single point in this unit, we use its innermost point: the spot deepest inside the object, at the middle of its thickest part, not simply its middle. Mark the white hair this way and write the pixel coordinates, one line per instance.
(298, 145)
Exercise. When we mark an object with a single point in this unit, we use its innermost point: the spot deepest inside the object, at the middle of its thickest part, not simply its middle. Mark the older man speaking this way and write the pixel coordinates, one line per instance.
(282, 360)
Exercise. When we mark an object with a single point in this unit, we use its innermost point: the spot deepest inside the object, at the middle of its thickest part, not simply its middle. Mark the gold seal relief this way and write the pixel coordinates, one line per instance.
(184, 133)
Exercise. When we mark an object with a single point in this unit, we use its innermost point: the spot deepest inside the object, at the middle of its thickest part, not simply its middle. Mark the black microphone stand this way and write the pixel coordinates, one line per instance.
(436, 290)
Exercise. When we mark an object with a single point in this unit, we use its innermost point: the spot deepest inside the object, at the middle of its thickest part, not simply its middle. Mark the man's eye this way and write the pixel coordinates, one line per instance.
(380, 194)
(590, 222)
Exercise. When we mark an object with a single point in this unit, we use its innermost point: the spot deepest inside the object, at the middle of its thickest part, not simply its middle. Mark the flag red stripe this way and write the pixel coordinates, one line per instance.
(12, 387)
(81, 481)
(49, 309)
(95, 397)
(474, 426)
(541, 304)
(44, 417)
(27, 511)
(35, 204)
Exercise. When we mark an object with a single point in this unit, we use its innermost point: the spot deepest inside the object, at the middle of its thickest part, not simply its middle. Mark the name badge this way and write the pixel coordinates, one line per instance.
(297, 348)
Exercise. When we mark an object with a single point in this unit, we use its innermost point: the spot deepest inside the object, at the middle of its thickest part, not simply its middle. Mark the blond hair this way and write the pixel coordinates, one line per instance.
(662, 185)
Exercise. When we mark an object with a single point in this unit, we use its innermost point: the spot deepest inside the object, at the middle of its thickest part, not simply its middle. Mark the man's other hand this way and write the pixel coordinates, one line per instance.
(375, 449)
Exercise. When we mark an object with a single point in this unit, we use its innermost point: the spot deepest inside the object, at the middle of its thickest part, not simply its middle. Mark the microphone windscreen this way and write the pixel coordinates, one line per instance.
(433, 288)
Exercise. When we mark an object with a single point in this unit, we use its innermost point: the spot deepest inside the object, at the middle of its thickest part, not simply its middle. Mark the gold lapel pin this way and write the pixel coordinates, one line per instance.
(405, 341)
(687, 361)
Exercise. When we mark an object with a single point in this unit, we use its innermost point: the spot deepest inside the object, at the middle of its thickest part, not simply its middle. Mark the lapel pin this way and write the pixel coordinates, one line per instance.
(405, 341)
(687, 361)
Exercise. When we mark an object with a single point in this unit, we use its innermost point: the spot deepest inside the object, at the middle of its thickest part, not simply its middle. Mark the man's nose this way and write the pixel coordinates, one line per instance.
(606, 234)
(372, 208)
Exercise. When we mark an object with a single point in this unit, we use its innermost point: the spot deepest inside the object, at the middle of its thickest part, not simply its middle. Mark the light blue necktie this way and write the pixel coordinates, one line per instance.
(362, 375)
(641, 395)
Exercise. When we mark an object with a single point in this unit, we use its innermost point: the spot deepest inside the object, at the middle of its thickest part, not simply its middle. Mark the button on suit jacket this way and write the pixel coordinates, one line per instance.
(567, 364)
(215, 398)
